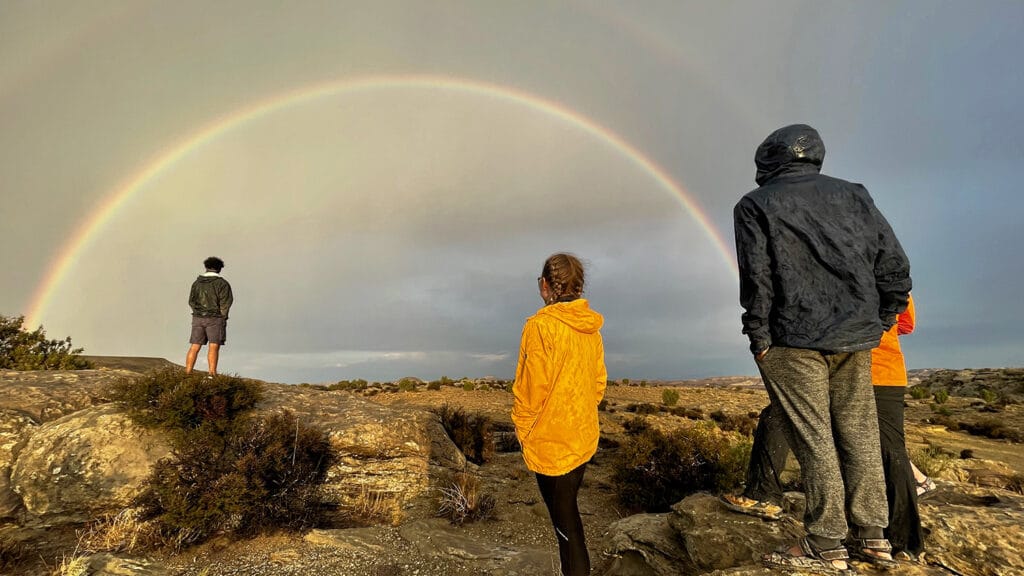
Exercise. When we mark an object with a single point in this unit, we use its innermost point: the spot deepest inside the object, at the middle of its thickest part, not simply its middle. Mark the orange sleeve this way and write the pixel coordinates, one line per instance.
(602, 370)
(907, 319)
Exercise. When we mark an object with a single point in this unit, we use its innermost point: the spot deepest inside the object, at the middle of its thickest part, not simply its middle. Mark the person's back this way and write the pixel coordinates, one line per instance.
(830, 271)
(821, 276)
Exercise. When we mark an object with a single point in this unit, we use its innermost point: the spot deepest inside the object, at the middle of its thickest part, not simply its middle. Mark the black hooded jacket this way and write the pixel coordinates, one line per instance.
(820, 267)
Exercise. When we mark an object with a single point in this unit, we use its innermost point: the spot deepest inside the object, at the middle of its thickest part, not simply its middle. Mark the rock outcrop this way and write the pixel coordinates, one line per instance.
(68, 455)
(971, 531)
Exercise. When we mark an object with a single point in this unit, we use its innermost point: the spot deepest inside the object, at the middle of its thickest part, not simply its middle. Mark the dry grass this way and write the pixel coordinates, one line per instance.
(373, 507)
(463, 501)
(122, 532)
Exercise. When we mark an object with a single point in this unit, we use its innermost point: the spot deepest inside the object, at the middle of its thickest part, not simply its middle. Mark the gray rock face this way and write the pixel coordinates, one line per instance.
(91, 462)
(14, 430)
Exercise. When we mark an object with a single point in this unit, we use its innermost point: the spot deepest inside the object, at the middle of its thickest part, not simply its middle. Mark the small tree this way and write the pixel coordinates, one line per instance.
(22, 350)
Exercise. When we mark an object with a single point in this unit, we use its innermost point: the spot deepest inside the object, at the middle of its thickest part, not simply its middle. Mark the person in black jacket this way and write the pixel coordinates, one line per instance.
(821, 277)
(210, 300)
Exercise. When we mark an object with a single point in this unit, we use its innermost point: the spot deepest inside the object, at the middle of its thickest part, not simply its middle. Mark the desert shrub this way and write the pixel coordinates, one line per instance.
(992, 428)
(690, 412)
(602, 405)
(1016, 483)
(669, 397)
(636, 425)
(919, 392)
(647, 408)
(265, 472)
(505, 439)
(229, 471)
(407, 385)
(174, 400)
(933, 460)
(125, 531)
(434, 385)
(471, 433)
(643, 383)
(24, 350)
(625, 381)
(371, 392)
(940, 396)
(468, 385)
(988, 396)
(966, 454)
(352, 385)
(942, 411)
(745, 425)
(463, 500)
(367, 507)
(654, 470)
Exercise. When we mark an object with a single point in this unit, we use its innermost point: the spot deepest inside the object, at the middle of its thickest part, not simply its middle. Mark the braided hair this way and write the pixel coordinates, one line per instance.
(564, 275)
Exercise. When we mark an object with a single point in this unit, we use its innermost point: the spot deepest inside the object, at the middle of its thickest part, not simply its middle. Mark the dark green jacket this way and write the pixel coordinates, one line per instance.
(210, 297)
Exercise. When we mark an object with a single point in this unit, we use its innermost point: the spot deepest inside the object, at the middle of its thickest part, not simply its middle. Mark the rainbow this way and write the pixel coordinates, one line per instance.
(95, 222)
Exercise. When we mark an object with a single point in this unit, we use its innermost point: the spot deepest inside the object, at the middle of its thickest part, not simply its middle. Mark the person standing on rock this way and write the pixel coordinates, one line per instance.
(210, 300)
(560, 380)
(821, 277)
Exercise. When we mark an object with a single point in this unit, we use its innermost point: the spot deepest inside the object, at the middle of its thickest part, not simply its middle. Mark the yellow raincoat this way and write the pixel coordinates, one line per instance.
(560, 380)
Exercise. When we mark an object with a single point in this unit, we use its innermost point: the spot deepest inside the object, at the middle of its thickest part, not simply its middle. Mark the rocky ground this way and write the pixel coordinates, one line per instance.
(974, 521)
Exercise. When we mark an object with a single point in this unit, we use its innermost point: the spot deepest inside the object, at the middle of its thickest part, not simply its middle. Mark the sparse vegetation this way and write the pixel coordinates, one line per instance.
(940, 396)
(230, 471)
(464, 501)
(472, 433)
(24, 350)
(669, 397)
(919, 392)
(654, 470)
(933, 460)
(407, 385)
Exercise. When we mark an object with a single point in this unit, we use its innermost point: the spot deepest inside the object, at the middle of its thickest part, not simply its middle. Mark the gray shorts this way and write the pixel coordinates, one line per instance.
(209, 329)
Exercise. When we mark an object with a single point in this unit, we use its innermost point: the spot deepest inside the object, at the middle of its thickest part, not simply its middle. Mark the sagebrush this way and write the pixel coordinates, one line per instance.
(654, 470)
(231, 470)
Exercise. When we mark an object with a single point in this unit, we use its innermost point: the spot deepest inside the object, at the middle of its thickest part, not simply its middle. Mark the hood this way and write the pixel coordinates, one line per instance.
(208, 278)
(796, 148)
(576, 314)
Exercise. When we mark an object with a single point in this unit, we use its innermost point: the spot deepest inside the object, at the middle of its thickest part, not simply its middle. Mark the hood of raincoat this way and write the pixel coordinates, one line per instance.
(796, 148)
(576, 314)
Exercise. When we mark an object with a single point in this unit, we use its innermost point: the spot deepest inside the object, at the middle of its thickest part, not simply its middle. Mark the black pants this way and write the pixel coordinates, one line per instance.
(559, 493)
(904, 531)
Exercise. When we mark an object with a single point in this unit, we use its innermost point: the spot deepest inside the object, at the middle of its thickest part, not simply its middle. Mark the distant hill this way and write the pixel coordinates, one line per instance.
(138, 364)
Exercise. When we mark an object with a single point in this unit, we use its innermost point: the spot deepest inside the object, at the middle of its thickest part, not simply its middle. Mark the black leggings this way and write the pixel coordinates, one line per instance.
(559, 493)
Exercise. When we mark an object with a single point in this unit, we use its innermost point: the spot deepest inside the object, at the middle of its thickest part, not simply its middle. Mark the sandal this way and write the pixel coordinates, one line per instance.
(926, 488)
(812, 561)
(751, 507)
(872, 550)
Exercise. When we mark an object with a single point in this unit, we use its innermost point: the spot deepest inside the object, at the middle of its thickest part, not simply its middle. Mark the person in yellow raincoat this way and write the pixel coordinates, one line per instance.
(560, 380)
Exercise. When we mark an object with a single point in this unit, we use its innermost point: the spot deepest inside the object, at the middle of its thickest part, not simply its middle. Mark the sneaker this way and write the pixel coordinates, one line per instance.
(751, 507)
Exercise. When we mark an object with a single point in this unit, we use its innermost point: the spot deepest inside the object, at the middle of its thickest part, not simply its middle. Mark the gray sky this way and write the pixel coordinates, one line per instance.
(399, 229)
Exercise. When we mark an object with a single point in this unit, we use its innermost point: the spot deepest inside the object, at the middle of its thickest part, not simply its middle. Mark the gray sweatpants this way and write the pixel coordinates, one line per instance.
(831, 425)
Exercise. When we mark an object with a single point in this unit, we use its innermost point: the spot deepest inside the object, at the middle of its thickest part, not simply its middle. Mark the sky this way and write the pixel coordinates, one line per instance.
(385, 179)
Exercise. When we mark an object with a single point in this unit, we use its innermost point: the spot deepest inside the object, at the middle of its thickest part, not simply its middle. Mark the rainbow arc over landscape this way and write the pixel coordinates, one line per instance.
(94, 223)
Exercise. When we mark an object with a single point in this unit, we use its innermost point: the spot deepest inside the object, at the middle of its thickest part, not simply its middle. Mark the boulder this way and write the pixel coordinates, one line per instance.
(400, 453)
(46, 395)
(15, 427)
(83, 465)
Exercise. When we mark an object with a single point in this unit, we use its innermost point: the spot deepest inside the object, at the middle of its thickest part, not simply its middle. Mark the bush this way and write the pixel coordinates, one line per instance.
(468, 385)
(654, 470)
(435, 385)
(745, 425)
(472, 433)
(407, 385)
(602, 405)
(919, 392)
(174, 400)
(988, 396)
(669, 397)
(933, 460)
(941, 396)
(229, 471)
(352, 385)
(21, 350)
(463, 501)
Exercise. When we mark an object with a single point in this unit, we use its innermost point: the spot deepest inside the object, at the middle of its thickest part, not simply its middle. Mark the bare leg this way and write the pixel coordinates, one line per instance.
(190, 357)
(918, 475)
(212, 353)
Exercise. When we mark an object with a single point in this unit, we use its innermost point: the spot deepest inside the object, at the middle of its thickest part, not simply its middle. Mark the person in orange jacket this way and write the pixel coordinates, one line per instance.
(889, 376)
(560, 380)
